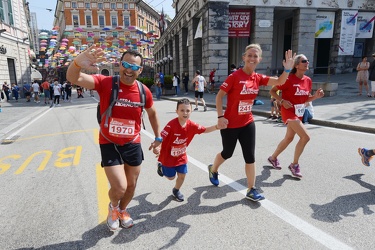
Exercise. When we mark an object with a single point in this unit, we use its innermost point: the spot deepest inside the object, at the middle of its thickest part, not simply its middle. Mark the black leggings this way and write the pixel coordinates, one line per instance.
(245, 135)
(56, 98)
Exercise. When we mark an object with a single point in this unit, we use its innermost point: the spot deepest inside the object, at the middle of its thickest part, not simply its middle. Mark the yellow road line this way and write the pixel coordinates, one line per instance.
(102, 189)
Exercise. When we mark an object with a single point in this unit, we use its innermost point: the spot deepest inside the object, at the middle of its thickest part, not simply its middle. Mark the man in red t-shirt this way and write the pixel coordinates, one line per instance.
(120, 142)
(45, 85)
(212, 80)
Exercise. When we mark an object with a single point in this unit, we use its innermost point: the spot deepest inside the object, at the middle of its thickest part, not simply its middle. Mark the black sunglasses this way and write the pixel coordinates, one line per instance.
(304, 61)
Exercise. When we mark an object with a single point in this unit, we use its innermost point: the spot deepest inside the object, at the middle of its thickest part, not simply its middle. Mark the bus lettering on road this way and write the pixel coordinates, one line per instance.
(67, 157)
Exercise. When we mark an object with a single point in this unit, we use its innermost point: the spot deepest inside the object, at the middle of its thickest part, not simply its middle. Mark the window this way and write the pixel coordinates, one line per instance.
(100, 6)
(101, 21)
(87, 5)
(75, 21)
(126, 21)
(88, 21)
(113, 6)
(74, 5)
(6, 13)
(126, 6)
(114, 21)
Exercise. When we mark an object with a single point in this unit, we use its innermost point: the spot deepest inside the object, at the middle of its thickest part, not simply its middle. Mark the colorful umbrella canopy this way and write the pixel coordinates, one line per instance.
(106, 28)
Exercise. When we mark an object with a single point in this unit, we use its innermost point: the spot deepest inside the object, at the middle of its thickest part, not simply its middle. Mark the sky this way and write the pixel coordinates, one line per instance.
(45, 17)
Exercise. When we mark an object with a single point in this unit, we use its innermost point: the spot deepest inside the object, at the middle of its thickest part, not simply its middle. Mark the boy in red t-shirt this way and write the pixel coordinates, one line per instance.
(177, 135)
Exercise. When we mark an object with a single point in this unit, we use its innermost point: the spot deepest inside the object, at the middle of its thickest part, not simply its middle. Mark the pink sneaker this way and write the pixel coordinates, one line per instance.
(296, 172)
(275, 163)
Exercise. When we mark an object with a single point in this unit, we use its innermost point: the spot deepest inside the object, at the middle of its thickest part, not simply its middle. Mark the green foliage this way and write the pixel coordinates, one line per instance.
(148, 81)
(168, 83)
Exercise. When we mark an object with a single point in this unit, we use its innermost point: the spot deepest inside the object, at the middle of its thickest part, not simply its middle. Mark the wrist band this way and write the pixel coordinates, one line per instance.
(220, 116)
(75, 64)
(287, 70)
(159, 139)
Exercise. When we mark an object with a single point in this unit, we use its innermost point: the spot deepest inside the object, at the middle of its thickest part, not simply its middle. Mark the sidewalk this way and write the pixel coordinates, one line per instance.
(346, 110)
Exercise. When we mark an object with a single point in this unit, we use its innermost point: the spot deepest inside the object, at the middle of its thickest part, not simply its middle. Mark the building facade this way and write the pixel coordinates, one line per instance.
(114, 25)
(14, 42)
(206, 34)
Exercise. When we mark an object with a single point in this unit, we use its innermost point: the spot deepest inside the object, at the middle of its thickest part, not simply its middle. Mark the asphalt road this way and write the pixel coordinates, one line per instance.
(54, 194)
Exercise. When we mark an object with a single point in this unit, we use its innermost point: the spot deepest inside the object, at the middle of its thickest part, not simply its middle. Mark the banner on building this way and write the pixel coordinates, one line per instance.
(199, 32)
(324, 24)
(347, 33)
(365, 24)
(239, 23)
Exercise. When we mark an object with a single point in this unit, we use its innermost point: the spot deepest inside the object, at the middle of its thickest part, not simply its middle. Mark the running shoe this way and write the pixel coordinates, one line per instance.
(113, 218)
(205, 108)
(177, 194)
(364, 155)
(160, 170)
(275, 163)
(214, 179)
(125, 219)
(195, 109)
(296, 172)
(252, 194)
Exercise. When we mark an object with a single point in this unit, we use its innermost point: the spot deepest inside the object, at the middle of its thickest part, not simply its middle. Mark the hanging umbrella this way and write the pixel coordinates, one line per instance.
(90, 34)
(67, 33)
(56, 28)
(79, 29)
(118, 28)
(43, 33)
(53, 37)
(131, 28)
(106, 28)
(43, 44)
(65, 40)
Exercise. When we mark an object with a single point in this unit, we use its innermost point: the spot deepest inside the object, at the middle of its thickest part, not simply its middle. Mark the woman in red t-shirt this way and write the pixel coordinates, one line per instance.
(237, 124)
(294, 94)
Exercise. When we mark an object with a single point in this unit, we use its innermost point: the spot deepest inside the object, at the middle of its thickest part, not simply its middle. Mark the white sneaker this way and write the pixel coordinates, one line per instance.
(125, 219)
(113, 218)
(58, 105)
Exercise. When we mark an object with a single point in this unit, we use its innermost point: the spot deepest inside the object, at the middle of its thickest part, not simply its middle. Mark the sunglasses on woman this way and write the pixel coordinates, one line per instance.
(133, 67)
(304, 61)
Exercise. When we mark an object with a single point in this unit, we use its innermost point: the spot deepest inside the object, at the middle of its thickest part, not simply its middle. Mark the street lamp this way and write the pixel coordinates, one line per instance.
(170, 58)
(165, 59)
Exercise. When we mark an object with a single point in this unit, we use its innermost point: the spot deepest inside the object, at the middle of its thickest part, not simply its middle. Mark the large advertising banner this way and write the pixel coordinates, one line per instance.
(324, 24)
(239, 23)
(348, 29)
(365, 24)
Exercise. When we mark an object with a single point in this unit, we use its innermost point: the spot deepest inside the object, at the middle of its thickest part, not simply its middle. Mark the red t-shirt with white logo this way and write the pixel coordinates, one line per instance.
(176, 139)
(125, 123)
(295, 90)
(242, 89)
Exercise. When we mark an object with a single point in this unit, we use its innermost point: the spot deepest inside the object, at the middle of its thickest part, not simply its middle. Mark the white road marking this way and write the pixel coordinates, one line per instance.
(293, 220)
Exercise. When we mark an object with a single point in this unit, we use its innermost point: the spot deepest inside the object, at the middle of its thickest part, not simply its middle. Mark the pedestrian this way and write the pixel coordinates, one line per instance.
(6, 90)
(309, 113)
(157, 85)
(233, 68)
(366, 155)
(56, 93)
(79, 92)
(295, 92)
(372, 75)
(46, 91)
(35, 87)
(177, 135)
(27, 90)
(15, 91)
(68, 90)
(212, 80)
(185, 81)
(199, 85)
(176, 83)
(362, 75)
(120, 142)
(161, 77)
(237, 122)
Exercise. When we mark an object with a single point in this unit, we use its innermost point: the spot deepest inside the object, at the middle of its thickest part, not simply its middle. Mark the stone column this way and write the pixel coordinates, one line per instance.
(303, 38)
(263, 35)
(215, 40)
